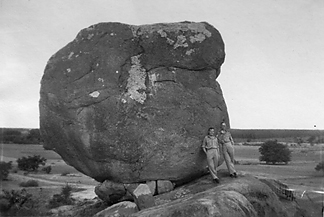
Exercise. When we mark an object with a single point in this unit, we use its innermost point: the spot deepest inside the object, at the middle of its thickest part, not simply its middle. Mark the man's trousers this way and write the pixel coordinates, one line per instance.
(228, 152)
(212, 161)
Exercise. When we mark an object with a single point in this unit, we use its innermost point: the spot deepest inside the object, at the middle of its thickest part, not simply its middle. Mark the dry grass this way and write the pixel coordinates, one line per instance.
(299, 174)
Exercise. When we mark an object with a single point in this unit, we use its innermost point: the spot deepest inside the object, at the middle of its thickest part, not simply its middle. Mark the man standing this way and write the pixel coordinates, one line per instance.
(227, 143)
(211, 148)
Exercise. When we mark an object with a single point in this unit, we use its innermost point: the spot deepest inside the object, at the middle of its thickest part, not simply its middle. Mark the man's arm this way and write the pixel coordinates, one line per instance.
(204, 145)
(231, 138)
(220, 138)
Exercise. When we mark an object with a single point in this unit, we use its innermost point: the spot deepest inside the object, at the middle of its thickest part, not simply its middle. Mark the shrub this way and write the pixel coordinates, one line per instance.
(20, 203)
(29, 183)
(47, 169)
(274, 152)
(320, 167)
(30, 163)
(4, 169)
(65, 173)
(13, 197)
(64, 198)
(34, 136)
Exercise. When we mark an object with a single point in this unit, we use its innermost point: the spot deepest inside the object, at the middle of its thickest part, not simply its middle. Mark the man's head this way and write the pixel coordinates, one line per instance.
(223, 126)
(211, 131)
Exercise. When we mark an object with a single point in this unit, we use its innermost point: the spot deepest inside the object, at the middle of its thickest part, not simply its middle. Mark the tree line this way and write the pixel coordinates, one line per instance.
(20, 136)
(297, 136)
(32, 136)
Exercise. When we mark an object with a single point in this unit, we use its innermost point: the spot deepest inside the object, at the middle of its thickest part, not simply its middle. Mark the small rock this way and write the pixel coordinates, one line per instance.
(152, 186)
(164, 186)
(143, 196)
(110, 192)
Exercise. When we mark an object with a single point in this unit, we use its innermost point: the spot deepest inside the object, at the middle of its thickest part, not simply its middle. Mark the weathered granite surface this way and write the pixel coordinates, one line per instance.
(133, 103)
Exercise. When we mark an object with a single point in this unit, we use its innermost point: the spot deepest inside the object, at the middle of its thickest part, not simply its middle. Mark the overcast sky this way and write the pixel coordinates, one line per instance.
(272, 77)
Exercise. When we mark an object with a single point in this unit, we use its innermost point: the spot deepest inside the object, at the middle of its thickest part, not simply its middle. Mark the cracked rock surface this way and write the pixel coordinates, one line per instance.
(133, 103)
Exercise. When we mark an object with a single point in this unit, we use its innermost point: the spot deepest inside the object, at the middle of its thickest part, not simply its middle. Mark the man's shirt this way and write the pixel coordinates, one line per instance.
(224, 137)
(210, 142)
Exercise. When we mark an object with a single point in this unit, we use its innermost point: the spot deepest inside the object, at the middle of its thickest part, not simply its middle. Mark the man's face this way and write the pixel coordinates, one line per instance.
(223, 126)
(211, 132)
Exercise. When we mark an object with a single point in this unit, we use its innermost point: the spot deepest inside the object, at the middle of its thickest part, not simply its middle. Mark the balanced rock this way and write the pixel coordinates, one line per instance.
(132, 103)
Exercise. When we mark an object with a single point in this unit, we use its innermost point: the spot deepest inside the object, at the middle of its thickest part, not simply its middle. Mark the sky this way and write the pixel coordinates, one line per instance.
(272, 77)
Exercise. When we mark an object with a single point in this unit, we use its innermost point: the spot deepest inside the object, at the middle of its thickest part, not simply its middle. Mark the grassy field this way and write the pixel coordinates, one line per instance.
(299, 174)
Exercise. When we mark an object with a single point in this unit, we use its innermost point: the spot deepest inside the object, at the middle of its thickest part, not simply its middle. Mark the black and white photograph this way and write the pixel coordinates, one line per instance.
(166, 108)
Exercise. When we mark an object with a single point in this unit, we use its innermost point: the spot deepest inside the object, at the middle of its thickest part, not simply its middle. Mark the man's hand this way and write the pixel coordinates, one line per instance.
(205, 150)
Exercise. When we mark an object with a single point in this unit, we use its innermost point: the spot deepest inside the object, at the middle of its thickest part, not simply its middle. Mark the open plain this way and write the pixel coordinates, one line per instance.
(299, 174)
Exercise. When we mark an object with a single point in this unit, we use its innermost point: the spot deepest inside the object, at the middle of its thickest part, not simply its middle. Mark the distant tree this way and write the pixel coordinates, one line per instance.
(5, 167)
(274, 152)
(34, 136)
(320, 167)
(299, 140)
(312, 139)
(11, 135)
(31, 163)
(47, 169)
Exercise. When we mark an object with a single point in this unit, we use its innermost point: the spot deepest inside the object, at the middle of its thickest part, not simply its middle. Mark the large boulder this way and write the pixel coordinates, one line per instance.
(121, 102)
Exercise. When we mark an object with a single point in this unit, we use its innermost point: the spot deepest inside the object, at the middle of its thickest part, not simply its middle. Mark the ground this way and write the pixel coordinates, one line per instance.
(299, 174)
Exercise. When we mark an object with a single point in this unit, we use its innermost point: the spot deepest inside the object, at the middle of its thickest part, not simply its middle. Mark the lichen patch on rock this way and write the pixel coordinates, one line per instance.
(136, 81)
(90, 36)
(181, 42)
(197, 38)
(188, 52)
(162, 33)
(197, 27)
(70, 55)
(95, 94)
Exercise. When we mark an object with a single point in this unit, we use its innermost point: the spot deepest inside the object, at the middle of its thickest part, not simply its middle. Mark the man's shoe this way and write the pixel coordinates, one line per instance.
(235, 175)
(216, 180)
(232, 175)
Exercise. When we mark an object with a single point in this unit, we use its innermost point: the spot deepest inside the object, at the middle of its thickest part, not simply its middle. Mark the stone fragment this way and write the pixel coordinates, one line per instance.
(152, 186)
(164, 186)
(142, 194)
(110, 192)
